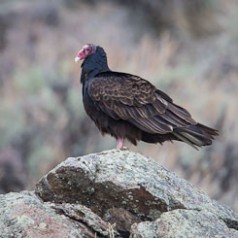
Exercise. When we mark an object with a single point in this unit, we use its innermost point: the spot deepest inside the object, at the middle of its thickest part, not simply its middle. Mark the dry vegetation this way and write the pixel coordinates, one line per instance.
(190, 52)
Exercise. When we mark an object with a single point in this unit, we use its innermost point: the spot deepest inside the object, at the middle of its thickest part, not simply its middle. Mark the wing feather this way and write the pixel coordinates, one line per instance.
(128, 97)
(151, 126)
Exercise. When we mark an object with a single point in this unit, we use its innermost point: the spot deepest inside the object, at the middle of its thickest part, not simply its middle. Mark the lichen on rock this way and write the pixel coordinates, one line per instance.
(114, 194)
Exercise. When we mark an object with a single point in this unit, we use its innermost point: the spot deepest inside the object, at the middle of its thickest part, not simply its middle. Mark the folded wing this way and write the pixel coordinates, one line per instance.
(131, 98)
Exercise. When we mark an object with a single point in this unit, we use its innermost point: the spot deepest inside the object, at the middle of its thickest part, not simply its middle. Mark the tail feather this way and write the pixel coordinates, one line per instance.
(196, 135)
(186, 139)
(210, 131)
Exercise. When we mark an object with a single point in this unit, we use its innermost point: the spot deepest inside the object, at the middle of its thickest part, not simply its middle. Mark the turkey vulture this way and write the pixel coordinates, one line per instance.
(129, 107)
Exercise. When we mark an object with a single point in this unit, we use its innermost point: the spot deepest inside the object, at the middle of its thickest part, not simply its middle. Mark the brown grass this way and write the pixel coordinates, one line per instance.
(41, 108)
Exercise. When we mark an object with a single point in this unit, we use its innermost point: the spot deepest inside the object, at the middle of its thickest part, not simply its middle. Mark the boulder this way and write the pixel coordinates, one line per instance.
(114, 194)
(24, 215)
(184, 223)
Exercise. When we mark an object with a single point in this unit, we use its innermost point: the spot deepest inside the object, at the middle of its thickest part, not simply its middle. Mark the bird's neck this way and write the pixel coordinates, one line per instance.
(94, 65)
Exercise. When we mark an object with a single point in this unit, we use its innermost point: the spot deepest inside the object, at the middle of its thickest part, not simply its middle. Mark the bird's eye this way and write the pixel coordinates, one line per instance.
(87, 50)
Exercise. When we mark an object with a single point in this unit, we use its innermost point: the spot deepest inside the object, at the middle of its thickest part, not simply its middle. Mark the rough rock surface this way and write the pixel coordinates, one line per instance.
(114, 194)
(24, 215)
(184, 223)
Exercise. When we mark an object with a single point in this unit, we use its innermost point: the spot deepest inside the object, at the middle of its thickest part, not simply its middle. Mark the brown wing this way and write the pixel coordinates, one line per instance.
(131, 98)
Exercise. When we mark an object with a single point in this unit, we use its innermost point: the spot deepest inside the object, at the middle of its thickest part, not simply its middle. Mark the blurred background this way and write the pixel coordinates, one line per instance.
(187, 48)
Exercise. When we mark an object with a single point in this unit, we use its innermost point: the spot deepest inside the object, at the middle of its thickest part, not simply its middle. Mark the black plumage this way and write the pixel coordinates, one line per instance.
(129, 107)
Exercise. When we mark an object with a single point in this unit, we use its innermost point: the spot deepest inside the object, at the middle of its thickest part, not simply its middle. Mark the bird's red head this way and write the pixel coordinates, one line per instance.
(87, 50)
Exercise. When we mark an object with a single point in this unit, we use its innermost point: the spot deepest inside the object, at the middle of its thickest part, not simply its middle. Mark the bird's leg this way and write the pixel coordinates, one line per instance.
(120, 143)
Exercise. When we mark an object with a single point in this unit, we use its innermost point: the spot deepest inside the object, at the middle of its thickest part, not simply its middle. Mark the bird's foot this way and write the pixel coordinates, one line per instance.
(123, 148)
(120, 144)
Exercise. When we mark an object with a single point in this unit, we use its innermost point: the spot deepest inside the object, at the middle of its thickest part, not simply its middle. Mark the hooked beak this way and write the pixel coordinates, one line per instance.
(76, 59)
(81, 55)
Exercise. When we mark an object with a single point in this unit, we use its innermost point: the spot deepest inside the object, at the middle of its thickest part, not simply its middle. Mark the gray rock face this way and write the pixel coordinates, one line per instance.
(24, 215)
(184, 223)
(116, 194)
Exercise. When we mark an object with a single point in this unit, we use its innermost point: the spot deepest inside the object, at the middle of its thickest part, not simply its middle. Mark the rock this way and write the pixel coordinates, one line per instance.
(127, 180)
(25, 215)
(114, 194)
(184, 223)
